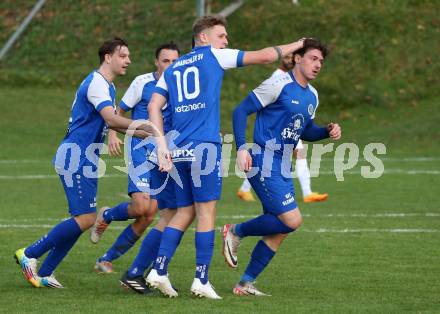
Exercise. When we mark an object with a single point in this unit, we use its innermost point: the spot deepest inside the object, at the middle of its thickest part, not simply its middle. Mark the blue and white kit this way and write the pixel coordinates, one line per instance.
(192, 86)
(142, 178)
(285, 113)
(76, 159)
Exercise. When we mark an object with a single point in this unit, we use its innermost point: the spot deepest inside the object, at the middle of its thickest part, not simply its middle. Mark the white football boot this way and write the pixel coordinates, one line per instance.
(204, 290)
(162, 283)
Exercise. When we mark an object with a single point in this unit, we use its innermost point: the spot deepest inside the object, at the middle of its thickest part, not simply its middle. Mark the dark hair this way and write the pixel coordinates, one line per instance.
(109, 47)
(205, 22)
(171, 46)
(312, 43)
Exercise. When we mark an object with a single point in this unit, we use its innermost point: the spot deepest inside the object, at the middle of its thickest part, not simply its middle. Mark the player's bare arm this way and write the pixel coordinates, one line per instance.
(121, 124)
(155, 106)
(114, 142)
(271, 54)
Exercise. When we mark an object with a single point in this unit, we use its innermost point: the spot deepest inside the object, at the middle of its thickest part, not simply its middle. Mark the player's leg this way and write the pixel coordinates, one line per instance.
(244, 192)
(277, 196)
(204, 241)
(206, 188)
(173, 232)
(150, 245)
(140, 205)
(261, 256)
(138, 189)
(81, 197)
(172, 236)
(134, 277)
(120, 212)
(303, 174)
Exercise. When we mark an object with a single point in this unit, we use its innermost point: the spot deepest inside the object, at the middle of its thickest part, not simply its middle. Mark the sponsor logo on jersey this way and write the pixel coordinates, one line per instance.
(190, 107)
(310, 109)
(176, 155)
(289, 199)
(292, 129)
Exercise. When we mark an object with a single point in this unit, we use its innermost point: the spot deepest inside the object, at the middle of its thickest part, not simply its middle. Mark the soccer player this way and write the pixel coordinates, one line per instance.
(76, 162)
(301, 168)
(192, 88)
(141, 208)
(285, 107)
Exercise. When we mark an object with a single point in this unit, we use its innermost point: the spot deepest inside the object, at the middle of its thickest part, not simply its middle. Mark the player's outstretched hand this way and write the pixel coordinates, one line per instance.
(114, 143)
(244, 160)
(164, 158)
(334, 131)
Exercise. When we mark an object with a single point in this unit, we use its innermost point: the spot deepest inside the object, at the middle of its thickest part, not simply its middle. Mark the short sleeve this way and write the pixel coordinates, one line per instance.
(228, 58)
(269, 91)
(98, 93)
(133, 94)
(161, 86)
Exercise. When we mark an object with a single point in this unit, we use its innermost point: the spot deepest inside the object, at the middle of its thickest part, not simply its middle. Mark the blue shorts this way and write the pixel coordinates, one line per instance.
(198, 173)
(139, 177)
(275, 191)
(162, 189)
(80, 193)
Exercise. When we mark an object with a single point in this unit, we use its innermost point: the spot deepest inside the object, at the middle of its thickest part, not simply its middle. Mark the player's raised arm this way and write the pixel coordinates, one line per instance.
(271, 54)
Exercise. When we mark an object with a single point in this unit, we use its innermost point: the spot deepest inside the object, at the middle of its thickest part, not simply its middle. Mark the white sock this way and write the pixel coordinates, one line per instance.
(303, 174)
(245, 186)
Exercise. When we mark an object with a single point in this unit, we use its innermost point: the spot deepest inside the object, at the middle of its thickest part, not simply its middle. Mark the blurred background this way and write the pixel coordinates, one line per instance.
(380, 81)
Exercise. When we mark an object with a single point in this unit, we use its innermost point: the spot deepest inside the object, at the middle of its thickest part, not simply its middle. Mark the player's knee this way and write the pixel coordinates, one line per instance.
(143, 222)
(140, 206)
(86, 221)
(294, 221)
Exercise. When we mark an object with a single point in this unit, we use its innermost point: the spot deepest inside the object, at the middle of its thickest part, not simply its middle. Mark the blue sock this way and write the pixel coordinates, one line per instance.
(55, 256)
(170, 240)
(60, 234)
(147, 253)
(123, 243)
(118, 213)
(260, 258)
(204, 250)
(263, 225)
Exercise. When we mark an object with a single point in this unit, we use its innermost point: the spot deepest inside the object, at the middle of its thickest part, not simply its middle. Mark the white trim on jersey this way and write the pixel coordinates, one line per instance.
(134, 93)
(268, 91)
(314, 91)
(98, 91)
(162, 83)
(227, 58)
(277, 72)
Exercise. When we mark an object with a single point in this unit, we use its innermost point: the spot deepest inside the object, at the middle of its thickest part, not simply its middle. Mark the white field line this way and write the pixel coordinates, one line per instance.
(354, 215)
(390, 171)
(121, 161)
(320, 230)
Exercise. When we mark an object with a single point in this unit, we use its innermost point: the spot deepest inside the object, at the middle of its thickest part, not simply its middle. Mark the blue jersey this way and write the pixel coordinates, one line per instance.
(285, 108)
(86, 126)
(192, 86)
(137, 97)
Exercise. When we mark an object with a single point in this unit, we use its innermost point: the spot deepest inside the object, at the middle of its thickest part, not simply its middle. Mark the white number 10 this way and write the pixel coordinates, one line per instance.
(179, 80)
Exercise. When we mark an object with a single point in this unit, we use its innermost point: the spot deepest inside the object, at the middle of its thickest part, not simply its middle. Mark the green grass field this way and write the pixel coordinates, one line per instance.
(372, 247)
